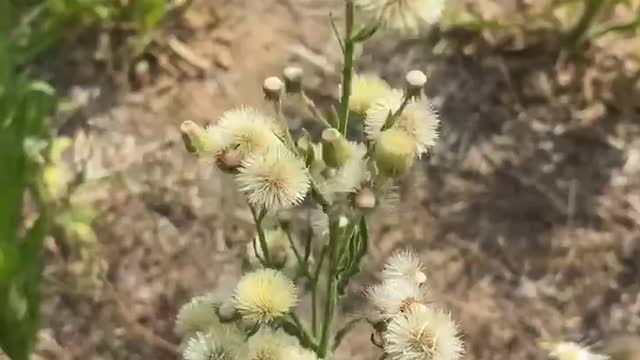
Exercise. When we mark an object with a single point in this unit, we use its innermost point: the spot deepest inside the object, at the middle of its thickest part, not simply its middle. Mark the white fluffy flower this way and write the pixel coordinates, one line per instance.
(300, 353)
(571, 351)
(418, 119)
(404, 16)
(268, 344)
(404, 264)
(199, 314)
(378, 113)
(365, 90)
(207, 346)
(397, 295)
(247, 131)
(427, 334)
(273, 180)
(264, 295)
(353, 174)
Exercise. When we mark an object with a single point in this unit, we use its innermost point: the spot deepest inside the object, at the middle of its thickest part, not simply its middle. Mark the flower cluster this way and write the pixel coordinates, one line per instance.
(408, 326)
(566, 350)
(341, 181)
(216, 325)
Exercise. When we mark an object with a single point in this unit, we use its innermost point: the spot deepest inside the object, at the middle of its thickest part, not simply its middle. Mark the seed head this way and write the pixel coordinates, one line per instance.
(403, 16)
(395, 296)
(264, 295)
(404, 264)
(571, 351)
(199, 314)
(269, 344)
(425, 334)
(248, 131)
(365, 90)
(275, 179)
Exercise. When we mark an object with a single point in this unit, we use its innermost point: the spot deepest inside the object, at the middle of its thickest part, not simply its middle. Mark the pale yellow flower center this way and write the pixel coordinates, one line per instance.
(422, 341)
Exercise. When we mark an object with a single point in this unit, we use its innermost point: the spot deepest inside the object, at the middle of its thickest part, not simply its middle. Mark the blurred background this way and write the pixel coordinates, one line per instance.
(526, 214)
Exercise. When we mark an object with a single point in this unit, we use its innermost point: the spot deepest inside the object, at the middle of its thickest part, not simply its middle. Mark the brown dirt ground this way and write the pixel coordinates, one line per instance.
(527, 214)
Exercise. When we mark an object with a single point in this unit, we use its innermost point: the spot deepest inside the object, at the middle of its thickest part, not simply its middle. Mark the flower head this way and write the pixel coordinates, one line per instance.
(199, 314)
(380, 110)
(395, 296)
(300, 353)
(207, 346)
(365, 90)
(268, 344)
(264, 295)
(404, 264)
(248, 131)
(394, 153)
(273, 180)
(426, 334)
(350, 177)
(404, 16)
(571, 351)
(419, 120)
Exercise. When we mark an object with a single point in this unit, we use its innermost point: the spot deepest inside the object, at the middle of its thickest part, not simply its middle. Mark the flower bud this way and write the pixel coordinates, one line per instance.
(292, 79)
(415, 80)
(365, 198)
(305, 146)
(229, 160)
(278, 255)
(193, 136)
(227, 311)
(336, 150)
(285, 217)
(272, 87)
(394, 153)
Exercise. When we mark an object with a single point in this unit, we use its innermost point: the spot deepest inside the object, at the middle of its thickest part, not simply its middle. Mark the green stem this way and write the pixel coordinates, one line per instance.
(303, 331)
(283, 124)
(313, 109)
(331, 289)
(314, 292)
(394, 117)
(347, 71)
(575, 36)
(257, 218)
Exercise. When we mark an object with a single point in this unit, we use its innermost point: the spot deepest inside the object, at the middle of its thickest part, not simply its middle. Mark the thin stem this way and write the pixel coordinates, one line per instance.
(394, 117)
(336, 32)
(283, 124)
(331, 289)
(347, 71)
(317, 194)
(303, 331)
(257, 218)
(301, 262)
(314, 293)
(313, 109)
(592, 9)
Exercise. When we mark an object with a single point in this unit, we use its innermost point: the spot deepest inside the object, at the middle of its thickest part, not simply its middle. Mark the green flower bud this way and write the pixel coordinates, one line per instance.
(394, 153)
(336, 150)
(198, 140)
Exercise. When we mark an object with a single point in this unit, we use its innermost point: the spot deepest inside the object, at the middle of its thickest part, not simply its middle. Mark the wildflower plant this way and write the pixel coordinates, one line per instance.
(341, 182)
